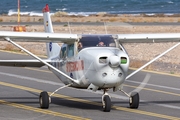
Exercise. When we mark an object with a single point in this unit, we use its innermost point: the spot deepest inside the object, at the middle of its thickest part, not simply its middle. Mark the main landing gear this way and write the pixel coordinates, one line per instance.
(133, 100)
(45, 99)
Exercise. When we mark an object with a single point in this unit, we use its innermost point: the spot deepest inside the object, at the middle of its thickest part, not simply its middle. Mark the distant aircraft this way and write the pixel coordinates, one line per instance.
(101, 63)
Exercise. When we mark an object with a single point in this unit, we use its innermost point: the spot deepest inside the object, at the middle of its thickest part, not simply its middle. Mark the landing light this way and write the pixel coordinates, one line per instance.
(123, 60)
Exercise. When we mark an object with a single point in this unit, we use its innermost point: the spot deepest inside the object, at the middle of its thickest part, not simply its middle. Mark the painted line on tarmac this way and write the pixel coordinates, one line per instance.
(88, 102)
(156, 72)
(129, 67)
(39, 70)
(44, 111)
(147, 84)
(97, 92)
(159, 91)
(166, 87)
(153, 85)
(161, 73)
(61, 84)
(31, 79)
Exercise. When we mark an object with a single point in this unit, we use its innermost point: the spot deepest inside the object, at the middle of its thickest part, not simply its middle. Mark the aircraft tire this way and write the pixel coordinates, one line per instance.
(44, 100)
(134, 104)
(107, 101)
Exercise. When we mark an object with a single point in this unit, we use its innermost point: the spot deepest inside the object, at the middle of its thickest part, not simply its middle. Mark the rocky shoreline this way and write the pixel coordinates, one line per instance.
(139, 53)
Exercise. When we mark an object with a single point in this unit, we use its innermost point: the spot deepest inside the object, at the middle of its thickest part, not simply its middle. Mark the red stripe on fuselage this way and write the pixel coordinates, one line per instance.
(74, 66)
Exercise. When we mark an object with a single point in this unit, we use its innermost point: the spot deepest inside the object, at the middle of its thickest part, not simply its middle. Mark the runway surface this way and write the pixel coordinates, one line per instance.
(20, 88)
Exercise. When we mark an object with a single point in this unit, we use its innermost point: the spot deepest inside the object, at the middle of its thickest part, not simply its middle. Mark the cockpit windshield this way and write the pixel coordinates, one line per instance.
(97, 41)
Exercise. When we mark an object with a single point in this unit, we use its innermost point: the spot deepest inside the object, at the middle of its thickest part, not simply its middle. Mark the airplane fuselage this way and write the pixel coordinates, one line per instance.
(104, 67)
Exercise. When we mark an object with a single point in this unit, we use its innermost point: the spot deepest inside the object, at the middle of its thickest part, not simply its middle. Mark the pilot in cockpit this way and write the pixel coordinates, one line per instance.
(80, 46)
(101, 44)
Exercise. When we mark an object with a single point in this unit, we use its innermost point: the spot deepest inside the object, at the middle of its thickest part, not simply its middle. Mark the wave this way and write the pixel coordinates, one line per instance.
(170, 2)
(34, 13)
(89, 7)
(63, 9)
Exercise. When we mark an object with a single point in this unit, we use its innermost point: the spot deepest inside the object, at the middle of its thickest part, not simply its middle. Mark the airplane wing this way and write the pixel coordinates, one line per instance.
(23, 63)
(38, 36)
(149, 38)
(57, 37)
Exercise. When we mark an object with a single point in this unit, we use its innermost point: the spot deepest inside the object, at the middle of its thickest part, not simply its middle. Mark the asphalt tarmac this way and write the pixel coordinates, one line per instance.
(20, 88)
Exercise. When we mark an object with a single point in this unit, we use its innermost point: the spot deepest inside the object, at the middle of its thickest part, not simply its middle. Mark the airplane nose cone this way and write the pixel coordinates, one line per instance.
(114, 61)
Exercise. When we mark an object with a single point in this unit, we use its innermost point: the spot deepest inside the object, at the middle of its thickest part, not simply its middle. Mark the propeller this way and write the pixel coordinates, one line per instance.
(142, 84)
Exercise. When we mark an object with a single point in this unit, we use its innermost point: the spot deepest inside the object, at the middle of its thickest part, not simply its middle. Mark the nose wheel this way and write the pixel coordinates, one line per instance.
(106, 102)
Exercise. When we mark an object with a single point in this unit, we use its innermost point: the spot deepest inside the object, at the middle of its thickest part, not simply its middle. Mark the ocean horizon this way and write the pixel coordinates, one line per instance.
(89, 7)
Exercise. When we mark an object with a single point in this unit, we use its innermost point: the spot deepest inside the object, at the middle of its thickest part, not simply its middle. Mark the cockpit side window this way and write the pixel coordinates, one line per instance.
(112, 44)
(70, 50)
(63, 51)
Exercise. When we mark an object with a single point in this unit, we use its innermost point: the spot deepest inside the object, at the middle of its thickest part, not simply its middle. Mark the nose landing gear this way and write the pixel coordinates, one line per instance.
(106, 102)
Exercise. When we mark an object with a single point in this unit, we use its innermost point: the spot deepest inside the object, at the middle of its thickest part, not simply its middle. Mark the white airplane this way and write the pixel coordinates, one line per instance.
(101, 64)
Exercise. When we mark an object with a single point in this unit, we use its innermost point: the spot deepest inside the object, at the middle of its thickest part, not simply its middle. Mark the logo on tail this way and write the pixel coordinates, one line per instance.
(50, 46)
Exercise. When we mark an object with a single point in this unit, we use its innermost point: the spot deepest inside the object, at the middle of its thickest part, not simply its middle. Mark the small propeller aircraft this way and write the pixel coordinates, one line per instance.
(94, 62)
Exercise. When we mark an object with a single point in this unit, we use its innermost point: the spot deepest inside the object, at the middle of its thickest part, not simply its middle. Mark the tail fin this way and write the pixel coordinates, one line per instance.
(53, 49)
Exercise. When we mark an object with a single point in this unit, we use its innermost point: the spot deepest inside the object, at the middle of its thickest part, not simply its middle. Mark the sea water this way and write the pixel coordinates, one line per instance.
(88, 7)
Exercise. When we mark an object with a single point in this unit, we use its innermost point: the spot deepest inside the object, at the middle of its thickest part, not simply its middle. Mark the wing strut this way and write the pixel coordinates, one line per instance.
(36, 57)
(152, 60)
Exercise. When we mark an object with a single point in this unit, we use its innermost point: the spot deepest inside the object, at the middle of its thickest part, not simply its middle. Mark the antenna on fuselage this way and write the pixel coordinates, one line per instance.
(105, 27)
(69, 27)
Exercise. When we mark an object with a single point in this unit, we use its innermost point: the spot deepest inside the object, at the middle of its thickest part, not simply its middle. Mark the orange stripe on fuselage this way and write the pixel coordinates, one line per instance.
(74, 66)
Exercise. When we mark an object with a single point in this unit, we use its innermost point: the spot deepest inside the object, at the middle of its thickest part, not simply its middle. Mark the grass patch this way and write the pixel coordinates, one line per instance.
(60, 13)
(1, 20)
(172, 72)
(41, 20)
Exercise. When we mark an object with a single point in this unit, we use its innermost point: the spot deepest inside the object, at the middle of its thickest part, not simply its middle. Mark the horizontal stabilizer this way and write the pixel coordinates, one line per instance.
(23, 63)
